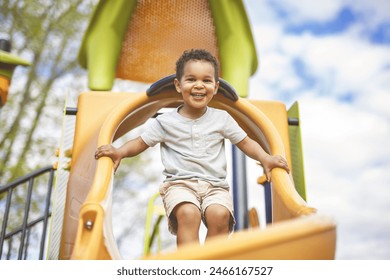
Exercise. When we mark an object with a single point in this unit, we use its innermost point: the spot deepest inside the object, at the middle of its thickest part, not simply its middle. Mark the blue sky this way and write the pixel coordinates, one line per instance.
(333, 57)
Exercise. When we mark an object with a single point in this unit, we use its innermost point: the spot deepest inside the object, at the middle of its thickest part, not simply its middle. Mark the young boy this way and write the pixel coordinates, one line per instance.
(193, 153)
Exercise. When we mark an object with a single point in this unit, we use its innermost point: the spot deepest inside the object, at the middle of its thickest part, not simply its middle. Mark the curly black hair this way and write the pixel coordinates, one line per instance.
(196, 54)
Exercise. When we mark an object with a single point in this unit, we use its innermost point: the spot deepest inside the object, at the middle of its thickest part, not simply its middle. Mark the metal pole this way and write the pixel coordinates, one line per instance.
(240, 197)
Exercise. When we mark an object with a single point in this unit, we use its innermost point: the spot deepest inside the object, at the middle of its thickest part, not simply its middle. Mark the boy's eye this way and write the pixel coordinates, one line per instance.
(192, 80)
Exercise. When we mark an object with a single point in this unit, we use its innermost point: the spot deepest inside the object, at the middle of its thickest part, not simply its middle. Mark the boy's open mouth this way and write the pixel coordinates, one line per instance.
(198, 95)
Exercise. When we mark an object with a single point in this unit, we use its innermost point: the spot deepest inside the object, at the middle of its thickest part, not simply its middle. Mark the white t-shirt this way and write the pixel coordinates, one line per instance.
(194, 149)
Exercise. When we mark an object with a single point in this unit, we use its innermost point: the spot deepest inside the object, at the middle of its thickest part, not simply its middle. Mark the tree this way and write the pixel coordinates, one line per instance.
(48, 34)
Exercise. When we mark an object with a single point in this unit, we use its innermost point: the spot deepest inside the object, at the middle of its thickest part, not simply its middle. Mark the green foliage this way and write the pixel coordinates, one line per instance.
(47, 34)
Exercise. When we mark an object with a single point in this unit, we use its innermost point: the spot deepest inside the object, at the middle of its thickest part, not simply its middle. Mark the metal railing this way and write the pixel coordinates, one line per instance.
(16, 195)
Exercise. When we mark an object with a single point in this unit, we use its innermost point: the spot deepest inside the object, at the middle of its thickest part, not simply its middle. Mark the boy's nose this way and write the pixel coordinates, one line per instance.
(198, 84)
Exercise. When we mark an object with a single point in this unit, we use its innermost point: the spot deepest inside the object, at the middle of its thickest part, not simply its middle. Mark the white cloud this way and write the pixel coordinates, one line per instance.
(365, 15)
(372, 12)
(341, 65)
(343, 133)
(351, 62)
(345, 141)
(346, 164)
(307, 10)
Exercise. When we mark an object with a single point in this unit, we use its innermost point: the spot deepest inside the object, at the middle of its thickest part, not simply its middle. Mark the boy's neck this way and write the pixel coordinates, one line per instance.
(192, 113)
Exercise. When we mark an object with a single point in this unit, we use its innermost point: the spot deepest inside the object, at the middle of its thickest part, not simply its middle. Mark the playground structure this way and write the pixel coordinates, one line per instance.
(8, 63)
(140, 41)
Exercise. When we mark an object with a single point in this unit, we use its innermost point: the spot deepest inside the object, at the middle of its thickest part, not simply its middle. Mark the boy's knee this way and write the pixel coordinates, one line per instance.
(218, 215)
(187, 212)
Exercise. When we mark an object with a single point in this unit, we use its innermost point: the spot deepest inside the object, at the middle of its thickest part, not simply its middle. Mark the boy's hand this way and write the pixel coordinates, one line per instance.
(274, 161)
(111, 152)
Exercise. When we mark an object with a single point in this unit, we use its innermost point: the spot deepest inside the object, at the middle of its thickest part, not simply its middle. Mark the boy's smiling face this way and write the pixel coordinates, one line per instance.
(198, 86)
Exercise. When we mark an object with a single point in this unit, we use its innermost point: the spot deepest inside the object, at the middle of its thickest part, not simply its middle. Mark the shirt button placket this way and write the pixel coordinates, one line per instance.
(195, 135)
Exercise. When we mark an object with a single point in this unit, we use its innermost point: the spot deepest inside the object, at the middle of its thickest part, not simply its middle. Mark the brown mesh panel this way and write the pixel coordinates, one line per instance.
(158, 33)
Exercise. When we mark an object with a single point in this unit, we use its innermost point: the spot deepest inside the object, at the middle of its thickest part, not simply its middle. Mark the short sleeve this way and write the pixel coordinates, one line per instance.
(233, 131)
(153, 134)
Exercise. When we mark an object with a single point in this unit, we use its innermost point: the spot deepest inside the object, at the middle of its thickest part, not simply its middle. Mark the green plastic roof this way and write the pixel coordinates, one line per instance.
(102, 42)
(8, 62)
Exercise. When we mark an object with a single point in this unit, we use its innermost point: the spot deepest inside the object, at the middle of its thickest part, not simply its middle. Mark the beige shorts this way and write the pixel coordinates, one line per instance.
(200, 193)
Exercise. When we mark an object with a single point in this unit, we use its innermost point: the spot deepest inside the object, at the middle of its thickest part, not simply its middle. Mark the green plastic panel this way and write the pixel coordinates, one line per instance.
(297, 152)
(237, 51)
(8, 63)
(102, 43)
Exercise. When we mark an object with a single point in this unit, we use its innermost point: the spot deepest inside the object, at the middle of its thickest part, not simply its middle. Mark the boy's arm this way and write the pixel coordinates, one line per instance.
(253, 150)
(129, 149)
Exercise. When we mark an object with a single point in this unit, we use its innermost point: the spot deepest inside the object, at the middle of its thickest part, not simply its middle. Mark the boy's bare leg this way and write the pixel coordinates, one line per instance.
(218, 219)
(188, 222)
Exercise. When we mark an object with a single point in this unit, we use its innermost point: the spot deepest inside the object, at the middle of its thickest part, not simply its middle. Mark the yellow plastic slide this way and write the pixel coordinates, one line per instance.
(297, 231)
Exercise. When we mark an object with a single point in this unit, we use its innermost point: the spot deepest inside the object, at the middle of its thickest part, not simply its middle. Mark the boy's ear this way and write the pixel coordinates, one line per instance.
(177, 85)
(216, 87)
